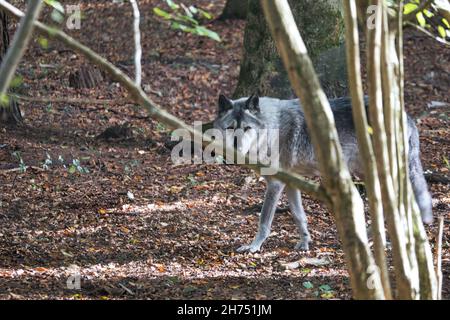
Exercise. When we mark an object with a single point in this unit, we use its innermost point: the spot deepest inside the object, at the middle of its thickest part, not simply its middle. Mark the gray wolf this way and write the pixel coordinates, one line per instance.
(296, 153)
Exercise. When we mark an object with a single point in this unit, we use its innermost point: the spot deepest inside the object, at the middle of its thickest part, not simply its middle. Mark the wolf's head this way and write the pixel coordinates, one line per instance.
(239, 121)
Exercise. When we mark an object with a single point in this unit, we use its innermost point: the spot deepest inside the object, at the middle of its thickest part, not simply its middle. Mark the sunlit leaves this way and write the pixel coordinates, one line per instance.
(202, 31)
(431, 18)
(162, 13)
(421, 19)
(187, 19)
(57, 14)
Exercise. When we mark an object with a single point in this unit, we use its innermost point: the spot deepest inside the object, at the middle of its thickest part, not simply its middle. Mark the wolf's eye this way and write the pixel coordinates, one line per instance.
(246, 129)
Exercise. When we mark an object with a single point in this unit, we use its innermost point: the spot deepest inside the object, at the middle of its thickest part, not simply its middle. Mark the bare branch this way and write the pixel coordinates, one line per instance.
(365, 144)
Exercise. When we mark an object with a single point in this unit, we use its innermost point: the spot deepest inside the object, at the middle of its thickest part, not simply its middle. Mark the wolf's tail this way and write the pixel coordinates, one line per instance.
(417, 178)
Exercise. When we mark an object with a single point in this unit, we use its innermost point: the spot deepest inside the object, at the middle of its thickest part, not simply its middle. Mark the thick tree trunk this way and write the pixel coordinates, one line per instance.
(235, 9)
(262, 70)
(9, 113)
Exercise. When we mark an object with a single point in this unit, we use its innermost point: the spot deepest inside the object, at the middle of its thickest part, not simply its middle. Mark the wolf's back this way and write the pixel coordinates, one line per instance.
(342, 106)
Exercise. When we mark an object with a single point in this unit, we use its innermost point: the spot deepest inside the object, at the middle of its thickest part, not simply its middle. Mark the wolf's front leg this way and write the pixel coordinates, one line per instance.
(298, 213)
(273, 193)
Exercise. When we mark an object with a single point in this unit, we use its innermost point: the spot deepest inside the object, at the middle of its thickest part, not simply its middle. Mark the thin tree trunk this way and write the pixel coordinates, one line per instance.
(406, 286)
(365, 144)
(428, 278)
(262, 70)
(346, 203)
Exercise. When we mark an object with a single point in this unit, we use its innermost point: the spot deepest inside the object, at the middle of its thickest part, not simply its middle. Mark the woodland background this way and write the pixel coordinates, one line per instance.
(135, 226)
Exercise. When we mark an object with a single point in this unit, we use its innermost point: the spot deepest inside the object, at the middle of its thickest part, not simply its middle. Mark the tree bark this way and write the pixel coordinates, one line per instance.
(235, 9)
(262, 70)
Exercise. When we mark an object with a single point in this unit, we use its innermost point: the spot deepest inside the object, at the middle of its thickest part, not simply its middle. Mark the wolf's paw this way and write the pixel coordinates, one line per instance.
(249, 248)
(302, 246)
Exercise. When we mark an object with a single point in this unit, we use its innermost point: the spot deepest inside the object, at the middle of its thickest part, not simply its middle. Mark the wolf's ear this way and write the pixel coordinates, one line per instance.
(225, 104)
(252, 103)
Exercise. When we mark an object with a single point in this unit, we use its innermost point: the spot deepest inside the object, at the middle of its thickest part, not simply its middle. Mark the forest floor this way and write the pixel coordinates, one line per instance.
(130, 223)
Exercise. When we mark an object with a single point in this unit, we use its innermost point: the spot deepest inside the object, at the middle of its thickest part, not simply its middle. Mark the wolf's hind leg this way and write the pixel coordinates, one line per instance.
(273, 193)
(299, 215)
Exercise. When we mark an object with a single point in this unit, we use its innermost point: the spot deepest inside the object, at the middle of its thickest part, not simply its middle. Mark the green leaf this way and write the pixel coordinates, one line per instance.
(442, 32)
(308, 285)
(72, 169)
(409, 7)
(172, 5)
(327, 295)
(43, 42)
(187, 19)
(187, 11)
(446, 162)
(325, 288)
(182, 27)
(4, 100)
(306, 270)
(446, 23)
(193, 9)
(55, 5)
(57, 16)
(428, 13)
(16, 81)
(421, 19)
(205, 14)
(202, 31)
(162, 13)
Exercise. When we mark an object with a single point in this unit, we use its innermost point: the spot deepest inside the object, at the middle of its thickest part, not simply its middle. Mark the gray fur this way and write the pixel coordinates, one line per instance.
(297, 154)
